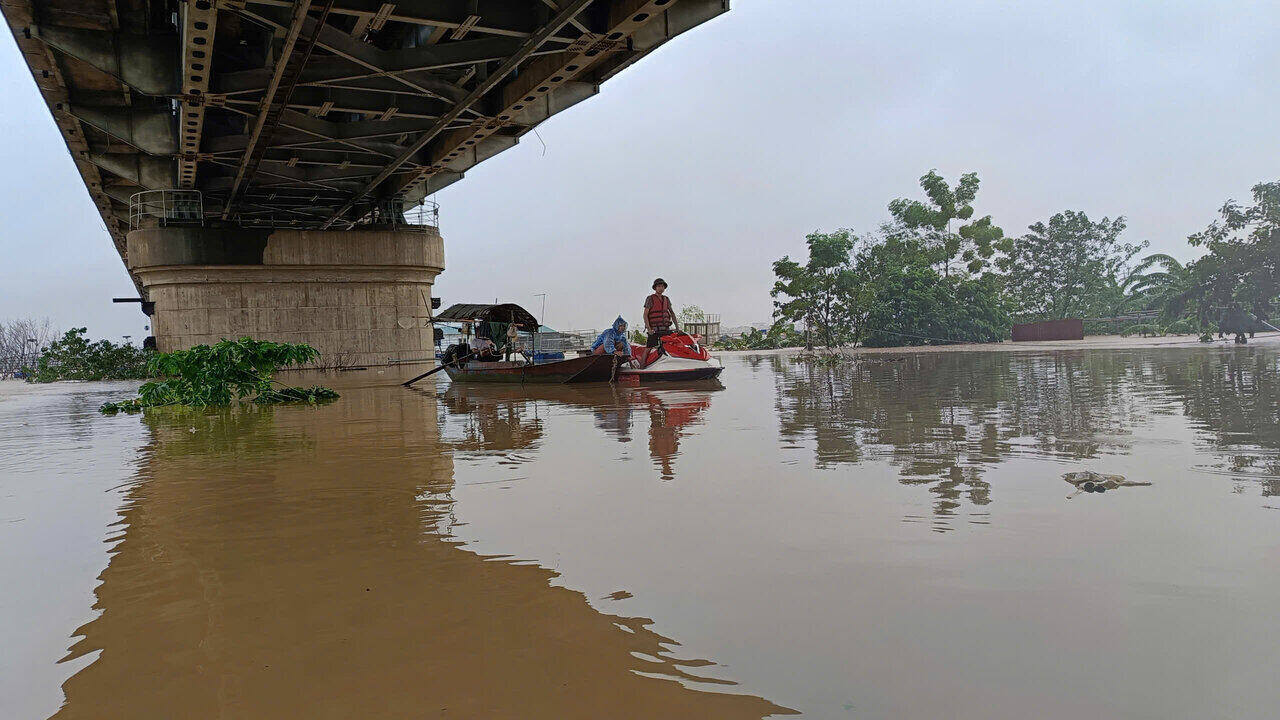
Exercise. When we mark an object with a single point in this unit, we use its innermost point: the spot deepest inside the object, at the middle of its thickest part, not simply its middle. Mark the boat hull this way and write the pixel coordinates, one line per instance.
(589, 368)
(706, 373)
(673, 369)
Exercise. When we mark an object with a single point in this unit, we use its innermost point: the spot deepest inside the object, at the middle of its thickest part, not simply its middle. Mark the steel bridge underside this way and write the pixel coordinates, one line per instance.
(313, 114)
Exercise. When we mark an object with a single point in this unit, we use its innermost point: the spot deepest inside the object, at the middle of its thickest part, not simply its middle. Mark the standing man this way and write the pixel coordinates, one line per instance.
(659, 318)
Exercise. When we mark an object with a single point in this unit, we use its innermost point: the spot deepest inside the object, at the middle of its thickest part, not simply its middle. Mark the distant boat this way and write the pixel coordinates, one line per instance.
(539, 369)
(588, 368)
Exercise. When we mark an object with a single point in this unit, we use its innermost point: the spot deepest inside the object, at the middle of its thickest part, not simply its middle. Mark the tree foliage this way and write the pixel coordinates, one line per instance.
(691, 313)
(1243, 264)
(910, 303)
(973, 243)
(818, 292)
(780, 335)
(899, 286)
(888, 292)
(73, 357)
(1234, 286)
(218, 374)
(1162, 282)
(1070, 266)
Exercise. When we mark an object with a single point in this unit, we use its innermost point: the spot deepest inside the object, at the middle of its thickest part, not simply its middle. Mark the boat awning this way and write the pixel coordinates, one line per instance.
(505, 312)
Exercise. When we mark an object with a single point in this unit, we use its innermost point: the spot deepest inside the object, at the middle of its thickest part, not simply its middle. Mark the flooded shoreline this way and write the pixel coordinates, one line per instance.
(891, 538)
(1090, 342)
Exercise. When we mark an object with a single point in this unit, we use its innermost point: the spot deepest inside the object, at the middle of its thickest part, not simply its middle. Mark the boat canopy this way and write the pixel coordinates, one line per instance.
(504, 313)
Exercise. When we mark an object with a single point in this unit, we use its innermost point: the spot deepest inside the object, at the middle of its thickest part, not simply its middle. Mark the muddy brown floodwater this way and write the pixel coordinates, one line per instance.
(889, 539)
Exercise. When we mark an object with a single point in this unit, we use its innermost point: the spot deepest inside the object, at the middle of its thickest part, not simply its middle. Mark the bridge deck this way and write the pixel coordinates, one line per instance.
(317, 113)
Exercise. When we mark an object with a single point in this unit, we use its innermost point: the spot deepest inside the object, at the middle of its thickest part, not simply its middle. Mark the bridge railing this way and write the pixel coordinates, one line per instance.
(393, 214)
(425, 214)
(566, 341)
(160, 208)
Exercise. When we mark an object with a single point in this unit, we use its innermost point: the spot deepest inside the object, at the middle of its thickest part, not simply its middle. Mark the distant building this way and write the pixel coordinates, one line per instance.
(708, 327)
(740, 330)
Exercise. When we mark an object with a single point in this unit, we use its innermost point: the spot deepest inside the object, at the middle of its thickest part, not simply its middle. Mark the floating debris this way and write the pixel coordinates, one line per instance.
(1090, 481)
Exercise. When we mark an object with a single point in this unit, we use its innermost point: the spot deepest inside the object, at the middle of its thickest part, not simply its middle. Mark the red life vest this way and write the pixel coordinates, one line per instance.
(659, 311)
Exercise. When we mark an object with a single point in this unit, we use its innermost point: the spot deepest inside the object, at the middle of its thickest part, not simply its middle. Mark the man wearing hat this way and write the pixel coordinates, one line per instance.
(659, 318)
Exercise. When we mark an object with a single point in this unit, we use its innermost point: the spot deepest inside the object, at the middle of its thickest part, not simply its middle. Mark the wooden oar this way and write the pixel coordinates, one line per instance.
(434, 370)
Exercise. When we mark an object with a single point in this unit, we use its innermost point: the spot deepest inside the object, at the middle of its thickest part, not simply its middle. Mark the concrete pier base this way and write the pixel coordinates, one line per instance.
(360, 297)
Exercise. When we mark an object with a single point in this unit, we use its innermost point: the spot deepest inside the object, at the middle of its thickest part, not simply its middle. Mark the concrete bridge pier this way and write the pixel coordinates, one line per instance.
(360, 297)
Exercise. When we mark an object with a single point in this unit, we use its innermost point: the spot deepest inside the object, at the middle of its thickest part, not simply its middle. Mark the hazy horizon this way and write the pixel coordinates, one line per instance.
(717, 154)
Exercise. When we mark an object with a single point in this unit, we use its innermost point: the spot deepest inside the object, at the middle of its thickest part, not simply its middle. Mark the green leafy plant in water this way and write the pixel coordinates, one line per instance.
(214, 375)
(311, 395)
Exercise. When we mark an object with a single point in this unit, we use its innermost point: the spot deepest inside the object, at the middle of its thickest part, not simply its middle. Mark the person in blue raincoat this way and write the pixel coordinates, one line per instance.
(613, 340)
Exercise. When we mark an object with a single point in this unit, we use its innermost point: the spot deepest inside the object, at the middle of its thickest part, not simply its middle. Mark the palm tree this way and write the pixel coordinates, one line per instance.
(1171, 289)
(1125, 295)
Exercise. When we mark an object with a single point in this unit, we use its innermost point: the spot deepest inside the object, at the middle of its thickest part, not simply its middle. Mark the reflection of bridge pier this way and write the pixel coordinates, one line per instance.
(293, 562)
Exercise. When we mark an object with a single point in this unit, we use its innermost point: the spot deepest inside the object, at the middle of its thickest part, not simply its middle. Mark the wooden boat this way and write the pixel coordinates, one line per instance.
(588, 368)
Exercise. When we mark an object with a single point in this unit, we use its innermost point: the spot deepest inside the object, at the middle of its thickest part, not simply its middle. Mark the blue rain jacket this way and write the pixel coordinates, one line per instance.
(611, 336)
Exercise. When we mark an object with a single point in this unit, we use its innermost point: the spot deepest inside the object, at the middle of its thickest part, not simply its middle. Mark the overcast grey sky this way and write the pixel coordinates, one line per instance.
(718, 153)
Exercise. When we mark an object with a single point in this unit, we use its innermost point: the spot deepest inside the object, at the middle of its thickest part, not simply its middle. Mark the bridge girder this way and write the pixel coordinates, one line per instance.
(299, 112)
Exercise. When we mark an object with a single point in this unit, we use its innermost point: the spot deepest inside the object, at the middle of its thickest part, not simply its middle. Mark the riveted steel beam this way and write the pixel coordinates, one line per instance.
(370, 103)
(270, 104)
(537, 78)
(344, 47)
(496, 17)
(530, 44)
(199, 20)
(400, 99)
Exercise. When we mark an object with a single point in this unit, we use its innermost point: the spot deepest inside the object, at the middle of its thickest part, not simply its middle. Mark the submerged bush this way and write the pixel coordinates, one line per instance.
(211, 375)
(818, 357)
(73, 357)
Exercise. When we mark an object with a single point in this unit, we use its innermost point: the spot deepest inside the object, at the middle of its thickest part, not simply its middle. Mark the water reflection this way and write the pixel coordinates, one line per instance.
(488, 422)
(376, 557)
(499, 418)
(288, 562)
(945, 419)
(1233, 397)
(672, 415)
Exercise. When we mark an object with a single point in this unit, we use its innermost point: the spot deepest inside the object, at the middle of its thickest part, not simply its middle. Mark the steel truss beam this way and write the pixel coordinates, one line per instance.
(509, 19)
(275, 98)
(397, 100)
(570, 9)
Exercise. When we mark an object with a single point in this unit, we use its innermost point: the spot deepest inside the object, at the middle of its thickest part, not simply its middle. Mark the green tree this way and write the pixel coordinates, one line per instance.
(1243, 264)
(817, 293)
(1171, 287)
(911, 303)
(974, 243)
(691, 313)
(1068, 267)
(73, 357)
